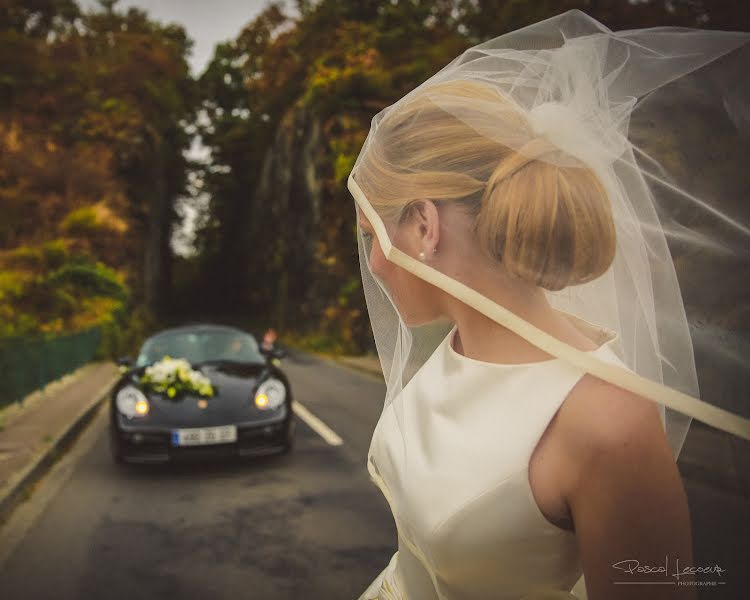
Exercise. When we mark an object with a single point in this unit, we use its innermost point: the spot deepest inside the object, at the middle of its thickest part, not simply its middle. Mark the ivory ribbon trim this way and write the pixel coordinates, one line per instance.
(698, 409)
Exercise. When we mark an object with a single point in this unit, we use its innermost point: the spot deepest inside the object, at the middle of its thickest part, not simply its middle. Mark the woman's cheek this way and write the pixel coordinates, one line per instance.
(377, 260)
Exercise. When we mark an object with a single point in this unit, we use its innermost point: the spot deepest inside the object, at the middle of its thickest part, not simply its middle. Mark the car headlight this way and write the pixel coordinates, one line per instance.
(270, 395)
(131, 402)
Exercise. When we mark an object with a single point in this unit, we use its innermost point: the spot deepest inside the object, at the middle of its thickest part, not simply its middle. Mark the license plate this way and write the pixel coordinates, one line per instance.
(201, 436)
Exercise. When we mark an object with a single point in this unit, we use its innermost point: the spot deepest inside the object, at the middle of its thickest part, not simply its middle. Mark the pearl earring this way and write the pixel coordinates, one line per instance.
(421, 255)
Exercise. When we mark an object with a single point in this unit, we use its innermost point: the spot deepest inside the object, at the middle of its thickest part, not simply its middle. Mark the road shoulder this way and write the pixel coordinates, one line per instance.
(36, 431)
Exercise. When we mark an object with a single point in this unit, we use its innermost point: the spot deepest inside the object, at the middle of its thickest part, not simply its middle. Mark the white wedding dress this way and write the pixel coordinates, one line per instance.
(468, 525)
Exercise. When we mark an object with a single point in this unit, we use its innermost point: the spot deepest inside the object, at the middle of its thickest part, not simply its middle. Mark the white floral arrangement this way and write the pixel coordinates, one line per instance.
(171, 376)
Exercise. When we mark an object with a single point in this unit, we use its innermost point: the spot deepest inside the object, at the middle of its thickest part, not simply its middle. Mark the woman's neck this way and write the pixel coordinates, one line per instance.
(481, 338)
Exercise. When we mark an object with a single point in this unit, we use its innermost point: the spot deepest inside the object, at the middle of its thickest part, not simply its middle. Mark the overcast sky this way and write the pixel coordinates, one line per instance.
(207, 22)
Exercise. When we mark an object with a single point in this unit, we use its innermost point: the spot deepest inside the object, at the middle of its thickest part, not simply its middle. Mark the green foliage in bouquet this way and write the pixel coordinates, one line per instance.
(172, 376)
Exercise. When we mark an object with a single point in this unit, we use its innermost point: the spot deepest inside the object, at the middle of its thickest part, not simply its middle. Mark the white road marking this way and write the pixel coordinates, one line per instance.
(26, 513)
(328, 434)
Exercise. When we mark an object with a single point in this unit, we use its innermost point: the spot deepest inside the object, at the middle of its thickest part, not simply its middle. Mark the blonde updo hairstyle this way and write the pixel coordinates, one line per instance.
(547, 224)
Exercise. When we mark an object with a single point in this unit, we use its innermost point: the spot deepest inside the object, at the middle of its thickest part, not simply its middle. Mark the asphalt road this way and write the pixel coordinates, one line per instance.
(307, 525)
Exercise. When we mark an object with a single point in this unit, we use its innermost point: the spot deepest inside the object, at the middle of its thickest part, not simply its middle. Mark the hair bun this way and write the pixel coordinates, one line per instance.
(549, 225)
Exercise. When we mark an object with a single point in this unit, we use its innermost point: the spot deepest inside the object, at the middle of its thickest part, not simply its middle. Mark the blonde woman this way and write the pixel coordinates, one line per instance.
(529, 322)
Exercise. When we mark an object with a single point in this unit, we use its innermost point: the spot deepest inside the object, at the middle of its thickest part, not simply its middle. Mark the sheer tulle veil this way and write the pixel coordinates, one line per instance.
(630, 147)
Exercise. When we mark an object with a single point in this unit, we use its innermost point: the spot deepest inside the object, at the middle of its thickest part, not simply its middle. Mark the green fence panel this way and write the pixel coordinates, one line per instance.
(28, 363)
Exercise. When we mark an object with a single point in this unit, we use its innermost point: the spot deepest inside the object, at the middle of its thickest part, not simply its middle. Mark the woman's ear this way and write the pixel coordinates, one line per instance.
(424, 219)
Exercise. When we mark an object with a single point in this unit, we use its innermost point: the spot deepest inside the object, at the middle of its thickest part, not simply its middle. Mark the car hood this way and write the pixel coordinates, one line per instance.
(234, 386)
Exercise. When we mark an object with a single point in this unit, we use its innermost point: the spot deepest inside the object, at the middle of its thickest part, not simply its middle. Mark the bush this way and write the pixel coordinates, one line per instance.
(50, 291)
(91, 279)
(82, 221)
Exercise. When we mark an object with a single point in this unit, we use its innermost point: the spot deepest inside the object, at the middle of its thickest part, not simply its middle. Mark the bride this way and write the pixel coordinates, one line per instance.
(526, 311)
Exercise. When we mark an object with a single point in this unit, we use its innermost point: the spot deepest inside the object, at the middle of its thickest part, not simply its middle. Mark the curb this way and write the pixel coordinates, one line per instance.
(359, 367)
(14, 492)
(341, 360)
(9, 412)
(345, 362)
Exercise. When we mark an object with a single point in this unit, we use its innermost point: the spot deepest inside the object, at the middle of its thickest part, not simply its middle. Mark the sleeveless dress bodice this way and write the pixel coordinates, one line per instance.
(451, 453)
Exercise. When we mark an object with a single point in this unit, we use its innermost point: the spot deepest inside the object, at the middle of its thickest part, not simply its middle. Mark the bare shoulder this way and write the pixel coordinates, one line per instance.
(622, 486)
(599, 420)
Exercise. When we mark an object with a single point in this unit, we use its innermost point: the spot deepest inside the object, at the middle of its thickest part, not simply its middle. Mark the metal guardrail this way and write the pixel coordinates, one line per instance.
(28, 363)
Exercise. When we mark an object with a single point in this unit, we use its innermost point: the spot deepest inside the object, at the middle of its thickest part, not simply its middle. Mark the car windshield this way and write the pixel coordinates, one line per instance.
(201, 346)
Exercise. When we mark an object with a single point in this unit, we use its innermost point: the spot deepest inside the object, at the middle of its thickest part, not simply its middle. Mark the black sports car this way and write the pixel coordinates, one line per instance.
(248, 412)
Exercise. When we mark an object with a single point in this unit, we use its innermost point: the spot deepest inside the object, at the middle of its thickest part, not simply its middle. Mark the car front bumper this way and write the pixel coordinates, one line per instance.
(150, 446)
